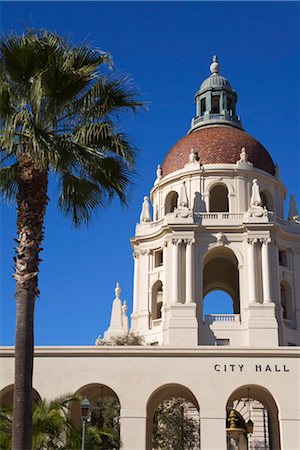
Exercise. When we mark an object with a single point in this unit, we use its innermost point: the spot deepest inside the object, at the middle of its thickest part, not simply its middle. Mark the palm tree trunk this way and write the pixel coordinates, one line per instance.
(32, 201)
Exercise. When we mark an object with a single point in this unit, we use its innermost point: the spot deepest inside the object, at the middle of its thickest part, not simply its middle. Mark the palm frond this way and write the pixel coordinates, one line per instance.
(103, 136)
(9, 182)
(79, 198)
(109, 96)
(58, 108)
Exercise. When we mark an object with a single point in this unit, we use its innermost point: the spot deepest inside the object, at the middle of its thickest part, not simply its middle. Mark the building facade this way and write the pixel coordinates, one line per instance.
(217, 223)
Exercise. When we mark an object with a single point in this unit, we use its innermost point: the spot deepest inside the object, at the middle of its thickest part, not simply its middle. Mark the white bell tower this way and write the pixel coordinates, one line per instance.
(218, 224)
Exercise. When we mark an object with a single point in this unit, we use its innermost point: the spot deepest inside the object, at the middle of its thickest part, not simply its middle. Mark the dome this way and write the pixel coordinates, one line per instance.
(217, 145)
(215, 81)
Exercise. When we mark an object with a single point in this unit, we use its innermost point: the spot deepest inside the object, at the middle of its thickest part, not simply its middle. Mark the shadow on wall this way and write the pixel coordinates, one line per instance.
(198, 203)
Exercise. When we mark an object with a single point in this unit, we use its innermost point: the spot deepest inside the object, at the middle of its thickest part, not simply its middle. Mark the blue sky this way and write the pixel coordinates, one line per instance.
(167, 49)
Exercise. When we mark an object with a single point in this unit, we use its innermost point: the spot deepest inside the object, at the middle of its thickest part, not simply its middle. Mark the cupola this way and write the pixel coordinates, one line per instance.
(215, 101)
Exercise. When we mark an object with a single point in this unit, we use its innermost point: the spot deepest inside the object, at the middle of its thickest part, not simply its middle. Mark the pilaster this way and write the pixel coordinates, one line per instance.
(189, 271)
(266, 270)
(175, 270)
(252, 283)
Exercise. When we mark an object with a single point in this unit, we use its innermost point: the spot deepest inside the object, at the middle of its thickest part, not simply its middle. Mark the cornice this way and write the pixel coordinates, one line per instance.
(150, 351)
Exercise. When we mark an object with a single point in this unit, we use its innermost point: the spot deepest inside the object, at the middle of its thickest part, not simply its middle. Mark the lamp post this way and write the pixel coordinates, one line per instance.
(85, 411)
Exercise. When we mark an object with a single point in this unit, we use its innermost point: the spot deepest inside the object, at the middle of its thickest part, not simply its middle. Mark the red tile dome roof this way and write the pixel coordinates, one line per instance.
(217, 144)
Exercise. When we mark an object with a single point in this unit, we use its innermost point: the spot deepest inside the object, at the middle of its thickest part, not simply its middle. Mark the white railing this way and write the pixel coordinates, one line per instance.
(218, 215)
(224, 318)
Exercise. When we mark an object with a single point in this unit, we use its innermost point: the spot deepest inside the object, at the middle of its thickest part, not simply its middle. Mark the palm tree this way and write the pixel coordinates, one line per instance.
(58, 113)
(53, 429)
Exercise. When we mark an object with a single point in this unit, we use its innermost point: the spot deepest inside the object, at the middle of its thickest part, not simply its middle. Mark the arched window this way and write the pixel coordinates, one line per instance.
(286, 301)
(157, 300)
(171, 202)
(218, 199)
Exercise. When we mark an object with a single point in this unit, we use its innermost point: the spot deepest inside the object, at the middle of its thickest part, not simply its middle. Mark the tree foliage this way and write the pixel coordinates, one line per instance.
(53, 429)
(175, 426)
(59, 105)
(130, 338)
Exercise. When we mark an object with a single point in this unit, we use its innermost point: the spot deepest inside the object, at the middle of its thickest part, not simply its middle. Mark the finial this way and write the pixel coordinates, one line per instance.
(214, 67)
(117, 290)
(124, 308)
(159, 172)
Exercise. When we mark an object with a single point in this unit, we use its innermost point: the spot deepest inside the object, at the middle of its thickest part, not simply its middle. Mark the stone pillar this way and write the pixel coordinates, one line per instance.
(212, 432)
(166, 294)
(189, 272)
(135, 281)
(132, 430)
(198, 108)
(175, 271)
(266, 270)
(251, 270)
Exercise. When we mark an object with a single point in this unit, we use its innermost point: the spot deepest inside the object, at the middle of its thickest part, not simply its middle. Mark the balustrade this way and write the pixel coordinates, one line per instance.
(224, 318)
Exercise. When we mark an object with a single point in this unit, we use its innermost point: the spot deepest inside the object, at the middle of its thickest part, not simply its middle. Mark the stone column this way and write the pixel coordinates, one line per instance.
(166, 274)
(189, 272)
(175, 271)
(251, 270)
(133, 430)
(135, 280)
(266, 270)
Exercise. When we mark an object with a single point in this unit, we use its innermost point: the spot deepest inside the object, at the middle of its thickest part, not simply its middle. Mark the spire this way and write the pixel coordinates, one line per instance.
(117, 290)
(214, 67)
(118, 314)
(293, 210)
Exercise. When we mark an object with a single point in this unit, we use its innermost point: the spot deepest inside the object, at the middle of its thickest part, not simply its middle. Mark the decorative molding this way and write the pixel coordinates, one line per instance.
(265, 241)
(252, 241)
(189, 241)
(176, 241)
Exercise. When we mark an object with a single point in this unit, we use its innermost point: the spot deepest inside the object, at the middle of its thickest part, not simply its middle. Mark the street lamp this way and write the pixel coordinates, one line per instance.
(85, 412)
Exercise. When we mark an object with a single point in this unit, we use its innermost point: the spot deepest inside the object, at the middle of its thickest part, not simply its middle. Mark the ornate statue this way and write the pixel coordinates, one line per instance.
(145, 214)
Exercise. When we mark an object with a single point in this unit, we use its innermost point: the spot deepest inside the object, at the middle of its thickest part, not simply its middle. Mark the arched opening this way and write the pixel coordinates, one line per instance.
(171, 202)
(217, 302)
(172, 419)
(286, 302)
(105, 411)
(267, 200)
(218, 199)
(252, 420)
(221, 297)
(7, 396)
(157, 300)
(221, 273)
